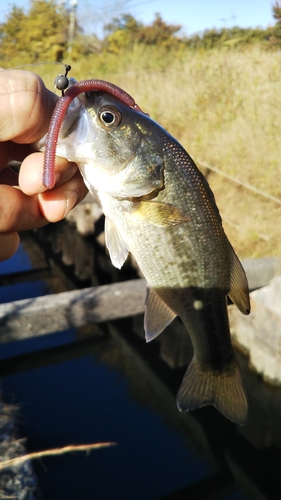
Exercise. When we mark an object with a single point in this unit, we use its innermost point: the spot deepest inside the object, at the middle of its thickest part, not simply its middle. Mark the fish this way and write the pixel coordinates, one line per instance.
(159, 207)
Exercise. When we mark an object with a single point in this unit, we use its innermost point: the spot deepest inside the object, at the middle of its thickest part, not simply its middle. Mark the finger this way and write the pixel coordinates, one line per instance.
(31, 172)
(19, 212)
(25, 106)
(56, 203)
(9, 243)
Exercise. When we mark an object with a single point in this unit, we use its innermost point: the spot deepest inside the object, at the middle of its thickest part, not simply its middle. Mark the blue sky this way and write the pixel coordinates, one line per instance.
(193, 15)
(197, 15)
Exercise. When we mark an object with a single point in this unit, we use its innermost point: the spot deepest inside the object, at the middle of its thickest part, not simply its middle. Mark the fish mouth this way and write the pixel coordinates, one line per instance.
(75, 132)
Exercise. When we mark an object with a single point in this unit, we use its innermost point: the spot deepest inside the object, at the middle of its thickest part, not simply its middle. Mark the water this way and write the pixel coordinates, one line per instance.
(105, 384)
(19, 264)
(84, 401)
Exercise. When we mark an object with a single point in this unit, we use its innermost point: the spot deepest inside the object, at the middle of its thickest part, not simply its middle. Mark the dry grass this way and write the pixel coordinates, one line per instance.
(16, 461)
(224, 107)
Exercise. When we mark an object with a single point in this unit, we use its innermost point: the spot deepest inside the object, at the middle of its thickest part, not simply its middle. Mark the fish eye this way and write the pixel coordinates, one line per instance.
(110, 117)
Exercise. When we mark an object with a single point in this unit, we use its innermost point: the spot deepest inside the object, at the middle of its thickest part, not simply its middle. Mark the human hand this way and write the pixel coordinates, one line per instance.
(25, 111)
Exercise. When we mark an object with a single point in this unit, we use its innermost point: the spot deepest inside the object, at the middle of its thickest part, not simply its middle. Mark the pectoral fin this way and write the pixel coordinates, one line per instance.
(117, 248)
(239, 291)
(157, 315)
(160, 214)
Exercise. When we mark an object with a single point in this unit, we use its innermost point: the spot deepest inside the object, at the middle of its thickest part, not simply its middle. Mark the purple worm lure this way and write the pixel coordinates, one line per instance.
(59, 114)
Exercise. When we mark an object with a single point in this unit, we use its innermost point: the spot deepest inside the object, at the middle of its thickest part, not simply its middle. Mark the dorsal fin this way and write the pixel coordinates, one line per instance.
(157, 315)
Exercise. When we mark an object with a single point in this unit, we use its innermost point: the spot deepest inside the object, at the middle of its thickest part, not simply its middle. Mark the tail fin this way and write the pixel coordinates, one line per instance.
(223, 389)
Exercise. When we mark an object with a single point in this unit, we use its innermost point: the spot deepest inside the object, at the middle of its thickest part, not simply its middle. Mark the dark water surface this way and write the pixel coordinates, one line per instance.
(83, 401)
(100, 384)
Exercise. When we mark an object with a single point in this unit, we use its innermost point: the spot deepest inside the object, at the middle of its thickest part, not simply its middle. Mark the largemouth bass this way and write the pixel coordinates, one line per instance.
(159, 207)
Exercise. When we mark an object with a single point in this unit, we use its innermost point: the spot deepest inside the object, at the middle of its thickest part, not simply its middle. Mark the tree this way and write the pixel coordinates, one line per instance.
(276, 8)
(235, 37)
(275, 32)
(159, 33)
(39, 35)
(126, 31)
(121, 32)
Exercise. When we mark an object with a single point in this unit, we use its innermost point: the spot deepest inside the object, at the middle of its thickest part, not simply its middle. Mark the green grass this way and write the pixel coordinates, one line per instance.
(224, 107)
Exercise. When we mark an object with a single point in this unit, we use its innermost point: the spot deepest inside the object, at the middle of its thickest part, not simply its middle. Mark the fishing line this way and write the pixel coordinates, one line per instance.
(246, 185)
(61, 81)
(36, 64)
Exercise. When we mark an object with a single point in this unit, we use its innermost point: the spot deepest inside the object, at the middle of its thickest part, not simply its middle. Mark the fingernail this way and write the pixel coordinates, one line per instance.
(71, 198)
(44, 188)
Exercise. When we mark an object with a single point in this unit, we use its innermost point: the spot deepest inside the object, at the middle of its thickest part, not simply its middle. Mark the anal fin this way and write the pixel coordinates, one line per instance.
(224, 389)
(157, 315)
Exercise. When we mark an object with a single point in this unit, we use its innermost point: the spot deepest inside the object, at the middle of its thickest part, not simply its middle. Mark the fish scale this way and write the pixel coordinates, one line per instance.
(159, 207)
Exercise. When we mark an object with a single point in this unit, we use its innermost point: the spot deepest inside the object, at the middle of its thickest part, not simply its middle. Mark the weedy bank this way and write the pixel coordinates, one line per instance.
(224, 107)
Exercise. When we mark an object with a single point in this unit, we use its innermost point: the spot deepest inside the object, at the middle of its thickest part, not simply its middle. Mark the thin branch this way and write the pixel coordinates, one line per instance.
(56, 451)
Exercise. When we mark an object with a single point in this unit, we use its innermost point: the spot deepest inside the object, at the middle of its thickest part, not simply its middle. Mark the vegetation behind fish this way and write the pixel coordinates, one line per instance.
(222, 105)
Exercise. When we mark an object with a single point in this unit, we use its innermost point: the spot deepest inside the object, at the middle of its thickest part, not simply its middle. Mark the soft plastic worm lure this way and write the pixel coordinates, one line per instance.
(60, 111)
